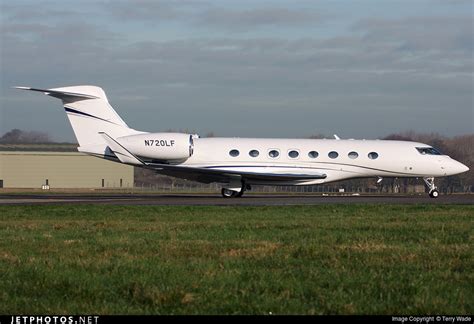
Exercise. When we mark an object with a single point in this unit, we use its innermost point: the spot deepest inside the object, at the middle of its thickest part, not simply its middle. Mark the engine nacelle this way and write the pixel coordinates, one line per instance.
(159, 147)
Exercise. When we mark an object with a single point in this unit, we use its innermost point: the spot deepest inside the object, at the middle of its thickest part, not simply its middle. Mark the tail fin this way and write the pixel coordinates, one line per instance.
(89, 113)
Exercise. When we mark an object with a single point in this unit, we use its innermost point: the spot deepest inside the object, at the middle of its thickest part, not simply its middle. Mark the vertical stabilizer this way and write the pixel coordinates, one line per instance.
(89, 113)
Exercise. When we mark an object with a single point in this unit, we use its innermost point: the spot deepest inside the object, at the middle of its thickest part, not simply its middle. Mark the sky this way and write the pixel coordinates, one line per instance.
(359, 69)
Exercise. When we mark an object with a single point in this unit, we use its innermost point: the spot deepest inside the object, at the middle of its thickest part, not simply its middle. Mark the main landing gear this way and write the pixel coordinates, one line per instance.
(234, 192)
(228, 193)
(433, 191)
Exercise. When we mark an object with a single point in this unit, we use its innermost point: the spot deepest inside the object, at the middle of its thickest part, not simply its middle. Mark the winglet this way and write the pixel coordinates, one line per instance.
(121, 152)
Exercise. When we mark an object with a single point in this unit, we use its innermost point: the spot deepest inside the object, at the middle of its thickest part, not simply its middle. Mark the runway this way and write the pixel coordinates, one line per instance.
(216, 200)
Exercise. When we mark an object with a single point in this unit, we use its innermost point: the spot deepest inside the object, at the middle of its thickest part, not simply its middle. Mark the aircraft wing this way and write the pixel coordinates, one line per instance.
(208, 175)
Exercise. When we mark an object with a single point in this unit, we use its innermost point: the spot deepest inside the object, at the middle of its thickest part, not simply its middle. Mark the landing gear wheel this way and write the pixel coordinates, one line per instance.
(227, 193)
(434, 193)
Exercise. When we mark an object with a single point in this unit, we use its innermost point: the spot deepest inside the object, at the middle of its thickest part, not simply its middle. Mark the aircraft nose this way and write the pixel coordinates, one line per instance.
(458, 167)
(464, 168)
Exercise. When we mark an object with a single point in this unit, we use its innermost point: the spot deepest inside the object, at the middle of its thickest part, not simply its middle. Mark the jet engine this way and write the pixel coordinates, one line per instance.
(159, 147)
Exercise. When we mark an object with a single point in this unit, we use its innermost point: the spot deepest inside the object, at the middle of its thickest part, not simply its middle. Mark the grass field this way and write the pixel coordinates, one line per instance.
(327, 259)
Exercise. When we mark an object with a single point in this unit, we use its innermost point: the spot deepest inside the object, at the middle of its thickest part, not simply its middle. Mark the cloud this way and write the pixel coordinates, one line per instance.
(210, 16)
(421, 33)
(258, 17)
(20, 11)
(155, 11)
(376, 77)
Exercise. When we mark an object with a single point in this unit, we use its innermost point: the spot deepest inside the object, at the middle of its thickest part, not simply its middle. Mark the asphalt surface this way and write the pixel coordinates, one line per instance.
(217, 200)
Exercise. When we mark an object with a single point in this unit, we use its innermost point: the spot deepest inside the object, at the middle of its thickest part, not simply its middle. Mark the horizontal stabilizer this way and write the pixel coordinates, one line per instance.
(63, 95)
(121, 152)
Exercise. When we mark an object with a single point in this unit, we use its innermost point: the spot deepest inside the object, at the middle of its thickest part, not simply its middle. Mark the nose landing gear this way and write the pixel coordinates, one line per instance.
(433, 191)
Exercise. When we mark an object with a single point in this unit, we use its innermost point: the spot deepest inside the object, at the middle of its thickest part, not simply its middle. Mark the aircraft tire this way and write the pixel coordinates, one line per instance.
(227, 193)
(434, 193)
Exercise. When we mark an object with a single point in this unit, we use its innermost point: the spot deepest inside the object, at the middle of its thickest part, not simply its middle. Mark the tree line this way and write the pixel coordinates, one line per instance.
(18, 136)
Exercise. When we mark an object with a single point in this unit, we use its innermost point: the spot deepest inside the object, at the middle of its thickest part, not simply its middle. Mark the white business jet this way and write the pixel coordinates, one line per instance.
(239, 163)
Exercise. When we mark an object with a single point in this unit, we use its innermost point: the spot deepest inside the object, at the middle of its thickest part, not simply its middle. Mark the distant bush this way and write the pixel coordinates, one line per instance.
(17, 136)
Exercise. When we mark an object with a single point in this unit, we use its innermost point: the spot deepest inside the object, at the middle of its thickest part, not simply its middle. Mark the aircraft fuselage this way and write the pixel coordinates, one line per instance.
(337, 159)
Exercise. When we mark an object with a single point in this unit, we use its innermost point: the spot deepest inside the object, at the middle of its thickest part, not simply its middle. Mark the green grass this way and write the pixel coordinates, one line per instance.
(328, 259)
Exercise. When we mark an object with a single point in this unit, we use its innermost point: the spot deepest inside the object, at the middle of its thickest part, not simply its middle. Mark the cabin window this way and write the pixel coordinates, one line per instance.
(274, 154)
(428, 151)
(353, 155)
(234, 153)
(373, 155)
(333, 154)
(313, 154)
(293, 154)
(254, 153)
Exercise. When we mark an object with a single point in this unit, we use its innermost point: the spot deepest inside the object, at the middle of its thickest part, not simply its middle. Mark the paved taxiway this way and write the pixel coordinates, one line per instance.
(215, 200)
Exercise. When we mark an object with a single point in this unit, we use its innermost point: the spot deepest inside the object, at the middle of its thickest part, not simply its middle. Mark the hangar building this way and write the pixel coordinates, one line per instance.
(22, 169)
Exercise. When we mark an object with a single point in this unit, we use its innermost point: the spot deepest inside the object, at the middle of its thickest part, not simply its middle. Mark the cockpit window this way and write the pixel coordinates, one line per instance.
(428, 151)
